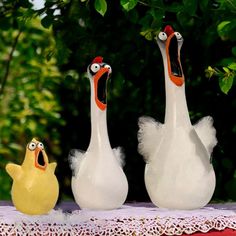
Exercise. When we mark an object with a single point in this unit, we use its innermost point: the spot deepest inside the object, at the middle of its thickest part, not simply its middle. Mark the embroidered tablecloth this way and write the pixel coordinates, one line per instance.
(136, 219)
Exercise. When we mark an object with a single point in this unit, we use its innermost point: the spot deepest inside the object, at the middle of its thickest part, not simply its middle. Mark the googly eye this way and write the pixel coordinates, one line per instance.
(32, 146)
(178, 35)
(40, 145)
(95, 67)
(162, 36)
(109, 67)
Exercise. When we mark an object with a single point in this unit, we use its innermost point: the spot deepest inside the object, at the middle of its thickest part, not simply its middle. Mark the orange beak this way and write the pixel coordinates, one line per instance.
(100, 80)
(40, 161)
(173, 60)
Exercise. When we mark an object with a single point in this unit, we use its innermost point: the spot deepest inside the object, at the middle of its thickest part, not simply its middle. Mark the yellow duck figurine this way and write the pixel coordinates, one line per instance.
(35, 187)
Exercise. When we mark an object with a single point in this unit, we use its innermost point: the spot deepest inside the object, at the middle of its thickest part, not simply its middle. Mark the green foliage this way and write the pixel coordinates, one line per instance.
(149, 34)
(128, 4)
(226, 31)
(190, 14)
(28, 95)
(47, 21)
(226, 76)
(100, 6)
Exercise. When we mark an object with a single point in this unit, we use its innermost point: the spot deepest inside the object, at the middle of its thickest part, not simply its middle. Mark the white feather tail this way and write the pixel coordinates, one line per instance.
(75, 158)
(120, 156)
(206, 132)
(149, 136)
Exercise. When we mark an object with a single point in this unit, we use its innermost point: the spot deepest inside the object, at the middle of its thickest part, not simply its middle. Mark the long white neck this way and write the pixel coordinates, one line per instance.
(176, 113)
(99, 136)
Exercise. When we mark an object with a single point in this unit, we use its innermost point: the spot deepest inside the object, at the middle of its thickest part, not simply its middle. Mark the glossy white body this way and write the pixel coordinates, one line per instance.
(178, 173)
(99, 181)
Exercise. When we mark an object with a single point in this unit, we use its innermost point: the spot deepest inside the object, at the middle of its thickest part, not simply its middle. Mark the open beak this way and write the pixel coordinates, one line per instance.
(173, 60)
(100, 87)
(41, 159)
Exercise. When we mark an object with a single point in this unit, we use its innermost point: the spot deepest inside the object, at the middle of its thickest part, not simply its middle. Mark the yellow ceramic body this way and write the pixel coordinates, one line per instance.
(35, 187)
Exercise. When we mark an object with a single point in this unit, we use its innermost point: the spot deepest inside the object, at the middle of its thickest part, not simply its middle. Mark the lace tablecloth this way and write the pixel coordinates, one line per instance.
(136, 219)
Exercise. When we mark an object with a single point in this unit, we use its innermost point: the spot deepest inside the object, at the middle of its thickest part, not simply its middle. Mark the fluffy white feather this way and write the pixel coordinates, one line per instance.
(75, 158)
(120, 156)
(149, 136)
(206, 132)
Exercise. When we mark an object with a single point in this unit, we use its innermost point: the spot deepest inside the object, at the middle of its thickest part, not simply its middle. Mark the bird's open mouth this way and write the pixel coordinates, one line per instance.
(100, 83)
(40, 160)
(101, 88)
(174, 66)
(174, 62)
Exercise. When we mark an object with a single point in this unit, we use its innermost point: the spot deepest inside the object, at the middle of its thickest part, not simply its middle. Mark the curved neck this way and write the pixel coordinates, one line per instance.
(176, 113)
(99, 135)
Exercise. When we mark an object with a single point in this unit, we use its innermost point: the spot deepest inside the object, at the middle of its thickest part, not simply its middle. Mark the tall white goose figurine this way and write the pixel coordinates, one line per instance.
(178, 171)
(98, 180)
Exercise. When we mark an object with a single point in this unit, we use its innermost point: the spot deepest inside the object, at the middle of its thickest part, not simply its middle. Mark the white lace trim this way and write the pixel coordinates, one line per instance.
(128, 220)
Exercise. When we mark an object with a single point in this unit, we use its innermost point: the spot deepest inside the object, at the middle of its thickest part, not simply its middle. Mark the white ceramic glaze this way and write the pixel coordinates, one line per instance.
(178, 172)
(99, 181)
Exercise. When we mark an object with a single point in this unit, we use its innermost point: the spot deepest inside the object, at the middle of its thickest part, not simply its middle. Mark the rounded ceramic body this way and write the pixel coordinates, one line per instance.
(180, 175)
(35, 192)
(100, 184)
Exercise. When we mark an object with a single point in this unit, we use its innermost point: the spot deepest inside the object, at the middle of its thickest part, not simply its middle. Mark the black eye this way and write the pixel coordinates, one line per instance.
(109, 67)
(178, 35)
(162, 36)
(40, 145)
(32, 146)
(95, 67)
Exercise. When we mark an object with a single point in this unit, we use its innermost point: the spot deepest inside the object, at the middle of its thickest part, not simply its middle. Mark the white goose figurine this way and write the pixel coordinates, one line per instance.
(98, 180)
(178, 172)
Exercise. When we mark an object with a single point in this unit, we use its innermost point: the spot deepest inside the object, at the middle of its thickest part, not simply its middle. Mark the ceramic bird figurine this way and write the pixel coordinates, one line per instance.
(98, 180)
(35, 187)
(178, 171)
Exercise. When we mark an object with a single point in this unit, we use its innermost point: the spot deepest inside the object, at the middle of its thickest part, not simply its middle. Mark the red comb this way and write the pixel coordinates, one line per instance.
(168, 30)
(97, 60)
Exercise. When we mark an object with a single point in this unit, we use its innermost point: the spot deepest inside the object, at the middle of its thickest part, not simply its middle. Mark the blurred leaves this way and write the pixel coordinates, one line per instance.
(149, 34)
(29, 105)
(226, 83)
(226, 76)
(128, 4)
(190, 6)
(100, 6)
(47, 21)
(226, 31)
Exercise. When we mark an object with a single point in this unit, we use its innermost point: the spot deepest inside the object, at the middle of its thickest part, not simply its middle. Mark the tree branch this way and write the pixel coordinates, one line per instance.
(4, 79)
(148, 5)
(232, 4)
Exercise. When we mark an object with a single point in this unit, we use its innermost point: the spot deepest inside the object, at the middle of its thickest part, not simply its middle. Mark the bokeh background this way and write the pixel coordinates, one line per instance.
(44, 92)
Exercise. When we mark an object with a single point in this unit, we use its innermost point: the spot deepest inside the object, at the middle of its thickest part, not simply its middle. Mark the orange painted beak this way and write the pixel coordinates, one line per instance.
(173, 59)
(100, 86)
(40, 160)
